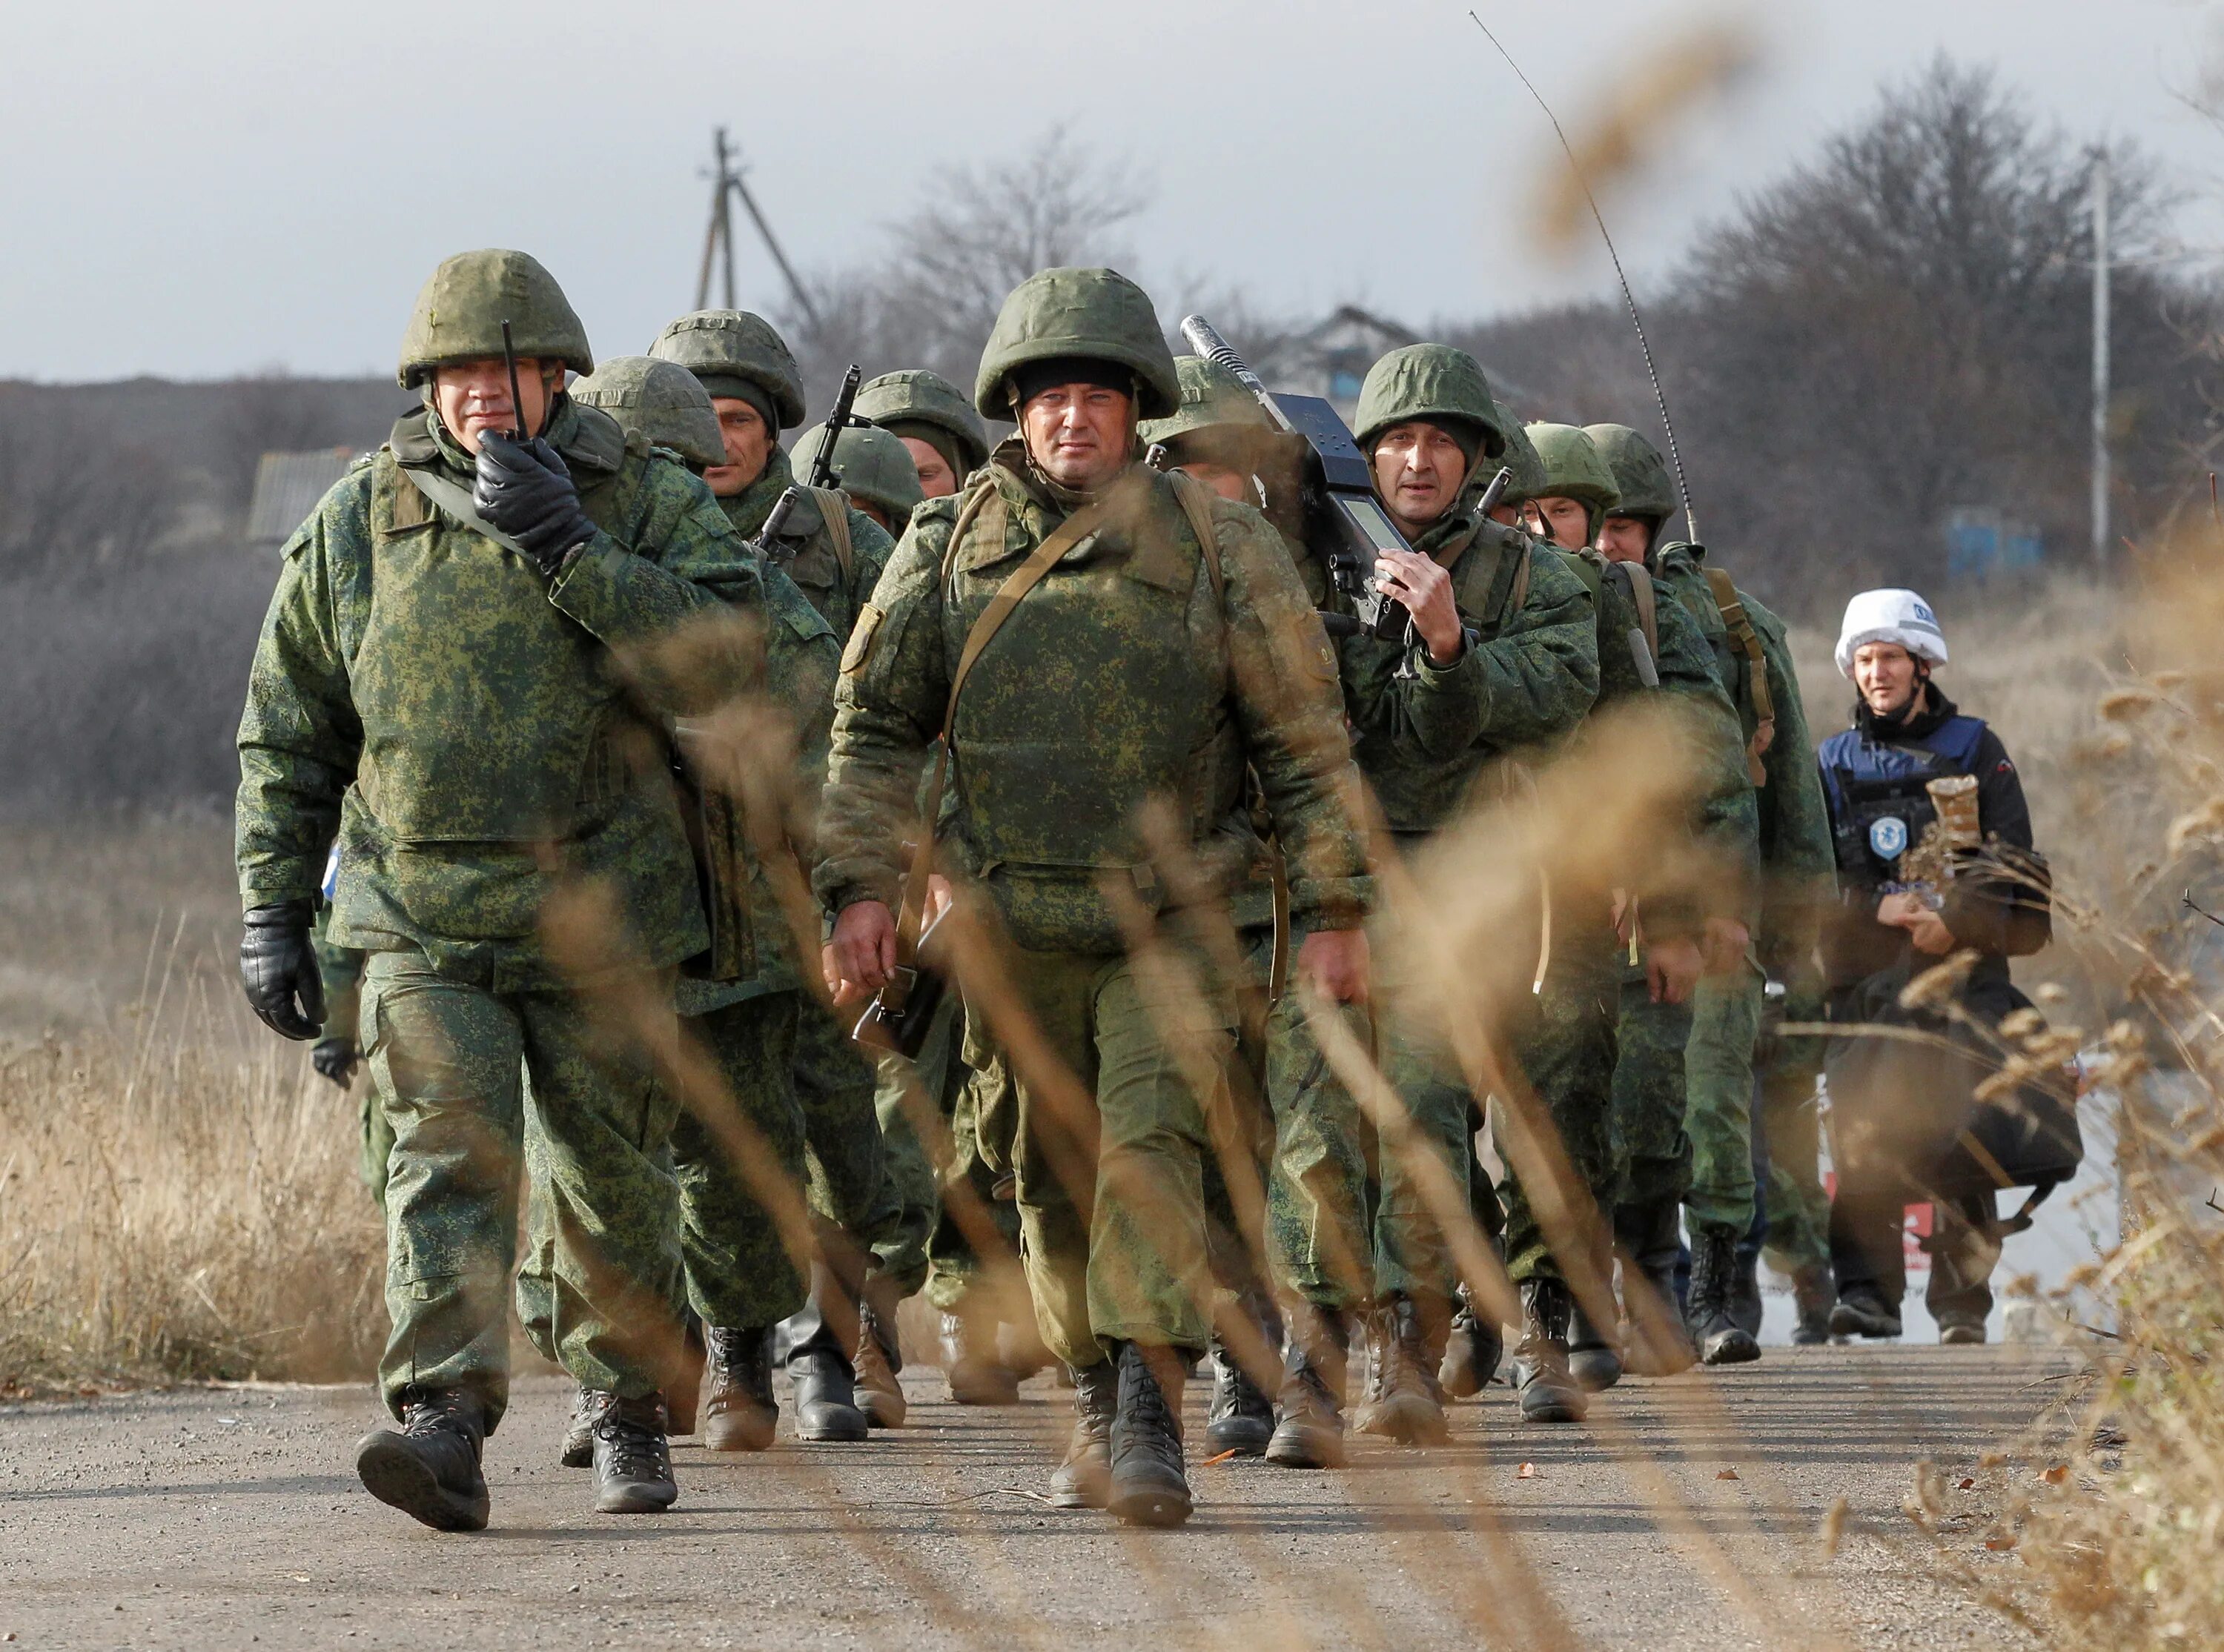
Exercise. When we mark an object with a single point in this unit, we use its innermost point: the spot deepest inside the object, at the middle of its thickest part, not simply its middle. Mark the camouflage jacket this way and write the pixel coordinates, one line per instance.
(1798, 869)
(814, 566)
(1125, 678)
(472, 732)
(1421, 732)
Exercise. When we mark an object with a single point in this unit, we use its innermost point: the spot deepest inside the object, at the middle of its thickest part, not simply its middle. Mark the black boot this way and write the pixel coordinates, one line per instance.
(587, 1407)
(685, 1388)
(430, 1470)
(1472, 1350)
(1746, 1309)
(1812, 1293)
(1863, 1311)
(739, 1413)
(1403, 1401)
(972, 1368)
(633, 1458)
(818, 1368)
(1309, 1433)
(1239, 1418)
(879, 1395)
(1540, 1359)
(1594, 1361)
(1083, 1479)
(1651, 1236)
(1721, 1341)
(1148, 1487)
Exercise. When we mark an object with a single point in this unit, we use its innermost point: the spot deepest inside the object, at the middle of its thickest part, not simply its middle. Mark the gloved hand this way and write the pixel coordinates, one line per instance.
(525, 488)
(278, 967)
(336, 1058)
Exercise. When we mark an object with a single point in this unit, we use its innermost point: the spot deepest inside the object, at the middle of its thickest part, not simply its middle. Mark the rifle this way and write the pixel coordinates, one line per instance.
(1345, 524)
(771, 538)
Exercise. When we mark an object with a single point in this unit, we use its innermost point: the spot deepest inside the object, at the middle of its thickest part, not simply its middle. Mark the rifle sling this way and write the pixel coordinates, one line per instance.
(1741, 626)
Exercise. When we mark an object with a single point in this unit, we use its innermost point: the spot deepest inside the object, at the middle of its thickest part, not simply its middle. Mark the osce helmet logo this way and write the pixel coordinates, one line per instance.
(1888, 837)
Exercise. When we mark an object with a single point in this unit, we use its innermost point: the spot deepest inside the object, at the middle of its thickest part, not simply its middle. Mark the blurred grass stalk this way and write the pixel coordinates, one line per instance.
(178, 1203)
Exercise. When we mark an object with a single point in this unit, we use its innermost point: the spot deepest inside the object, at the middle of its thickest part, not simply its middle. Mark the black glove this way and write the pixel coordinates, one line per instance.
(525, 489)
(278, 967)
(335, 1058)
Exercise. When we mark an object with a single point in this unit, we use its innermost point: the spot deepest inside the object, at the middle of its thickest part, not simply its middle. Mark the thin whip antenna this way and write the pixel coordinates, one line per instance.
(1651, 370)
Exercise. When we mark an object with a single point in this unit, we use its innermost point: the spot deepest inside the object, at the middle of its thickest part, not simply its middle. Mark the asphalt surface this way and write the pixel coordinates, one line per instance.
(1686, 1514)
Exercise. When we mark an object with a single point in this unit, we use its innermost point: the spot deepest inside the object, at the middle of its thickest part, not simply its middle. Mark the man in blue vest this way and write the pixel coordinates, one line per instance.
(1922, 875)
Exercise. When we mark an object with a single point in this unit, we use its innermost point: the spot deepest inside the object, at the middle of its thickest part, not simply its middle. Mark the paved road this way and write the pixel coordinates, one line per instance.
(201, 1519)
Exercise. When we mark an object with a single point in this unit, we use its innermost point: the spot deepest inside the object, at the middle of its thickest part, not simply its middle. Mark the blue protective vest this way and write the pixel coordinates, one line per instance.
(1879, 805)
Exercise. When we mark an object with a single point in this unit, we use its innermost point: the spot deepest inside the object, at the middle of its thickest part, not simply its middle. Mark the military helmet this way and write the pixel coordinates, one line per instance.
(1640, 475)
(459, 312)
(733, 345)
(869, 464)
(916, 396)
(1573, 468)
(660, 401)
(1427, 382)
(1098, 315)
(1520, 456)
(1211, 397)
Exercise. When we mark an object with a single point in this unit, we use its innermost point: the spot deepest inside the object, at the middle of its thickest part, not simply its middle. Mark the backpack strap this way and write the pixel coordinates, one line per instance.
(1647, 600)
(1195, 501)
(834, 512)
(1742, 632)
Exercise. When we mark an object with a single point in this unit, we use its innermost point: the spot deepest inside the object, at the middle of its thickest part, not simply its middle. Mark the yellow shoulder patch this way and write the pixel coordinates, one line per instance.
(859, 648)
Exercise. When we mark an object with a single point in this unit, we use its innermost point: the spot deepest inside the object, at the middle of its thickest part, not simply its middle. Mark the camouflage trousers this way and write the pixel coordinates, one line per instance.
(835, 1085)
(378, 1144)
(450, 1055)
(1718, 1107)
(899, 1252)
(1651, 1151)
(955, 1267)
(1796, 1208)
(1568, 1054)
(1110, 1171)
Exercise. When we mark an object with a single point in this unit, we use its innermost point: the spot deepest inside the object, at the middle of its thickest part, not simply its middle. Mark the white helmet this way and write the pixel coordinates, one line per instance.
(1898, 616)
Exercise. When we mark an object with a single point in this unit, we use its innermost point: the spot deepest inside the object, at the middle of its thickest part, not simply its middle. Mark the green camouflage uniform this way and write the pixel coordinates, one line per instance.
(341, 970)
(376, 713)
(1162, 687)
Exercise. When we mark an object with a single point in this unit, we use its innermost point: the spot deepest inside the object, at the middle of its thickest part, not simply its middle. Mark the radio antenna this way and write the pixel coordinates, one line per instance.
(1652, 369)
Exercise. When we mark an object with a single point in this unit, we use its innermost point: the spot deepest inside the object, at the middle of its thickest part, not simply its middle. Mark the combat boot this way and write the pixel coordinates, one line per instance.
(1239, 1418)
(587, 1407)
(1020, 1347)
(739, 1413)
(972, 1369)
(1310, 1433)
(1540, 1359)
(1812, 1293)
(633, 1458)
(1147, 1485)
(1473, 1347)
(879, 1395)
(430, 1470)
(1083, 1479)
(1593, 1361)
(684, 1391)
(818, 1368)
(1657, 1344)
(1863, 1311)
(1403, 1401)
(1746, 1308)
(1720, 1339)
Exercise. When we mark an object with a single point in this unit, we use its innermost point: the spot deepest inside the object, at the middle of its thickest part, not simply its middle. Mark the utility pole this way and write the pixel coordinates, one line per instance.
(729, 179)
(2100, 544)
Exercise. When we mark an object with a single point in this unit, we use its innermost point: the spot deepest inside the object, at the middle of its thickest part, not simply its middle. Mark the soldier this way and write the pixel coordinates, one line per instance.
(934, 421)
(464, 784)
(1501, 658)
(1625, 956)
(1184, 650)
(338, 1049)
(872, 467)
(1753, 663)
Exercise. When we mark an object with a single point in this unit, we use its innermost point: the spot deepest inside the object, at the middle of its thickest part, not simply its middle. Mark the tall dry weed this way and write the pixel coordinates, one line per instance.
(176, 1203)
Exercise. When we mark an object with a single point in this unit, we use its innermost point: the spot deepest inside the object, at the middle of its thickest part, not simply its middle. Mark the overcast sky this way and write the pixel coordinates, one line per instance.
(209, 189)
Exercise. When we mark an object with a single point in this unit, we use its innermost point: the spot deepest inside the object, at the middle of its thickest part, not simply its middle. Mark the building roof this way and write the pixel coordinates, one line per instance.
(287, 488)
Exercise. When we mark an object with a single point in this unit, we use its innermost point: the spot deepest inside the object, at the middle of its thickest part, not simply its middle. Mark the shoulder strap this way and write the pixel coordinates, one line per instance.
(1196, 505)
(1009, 595)
(834, 511)
(1648, 603)
(1740, 627)
(456, 500)
(1518, 598)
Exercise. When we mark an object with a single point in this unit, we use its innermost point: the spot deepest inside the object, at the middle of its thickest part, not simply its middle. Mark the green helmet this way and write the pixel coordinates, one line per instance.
(1427, 382)
(660, 401)
(733, 353)
(870, 465)
(460, 313)
(1640, 475)
(919, 398)
(1520, 456)
(1211, 397)
(1098, 315)
(1573, 468)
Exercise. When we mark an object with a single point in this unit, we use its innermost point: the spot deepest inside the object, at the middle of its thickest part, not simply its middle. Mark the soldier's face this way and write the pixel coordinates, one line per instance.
(1623, 539)
(1417, 472)
(748, 444)
(874, 511)
(936, 478)
(1566, 522)
(473, 397)
(1079, 434)
(1885, 674)
(1233, 486)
